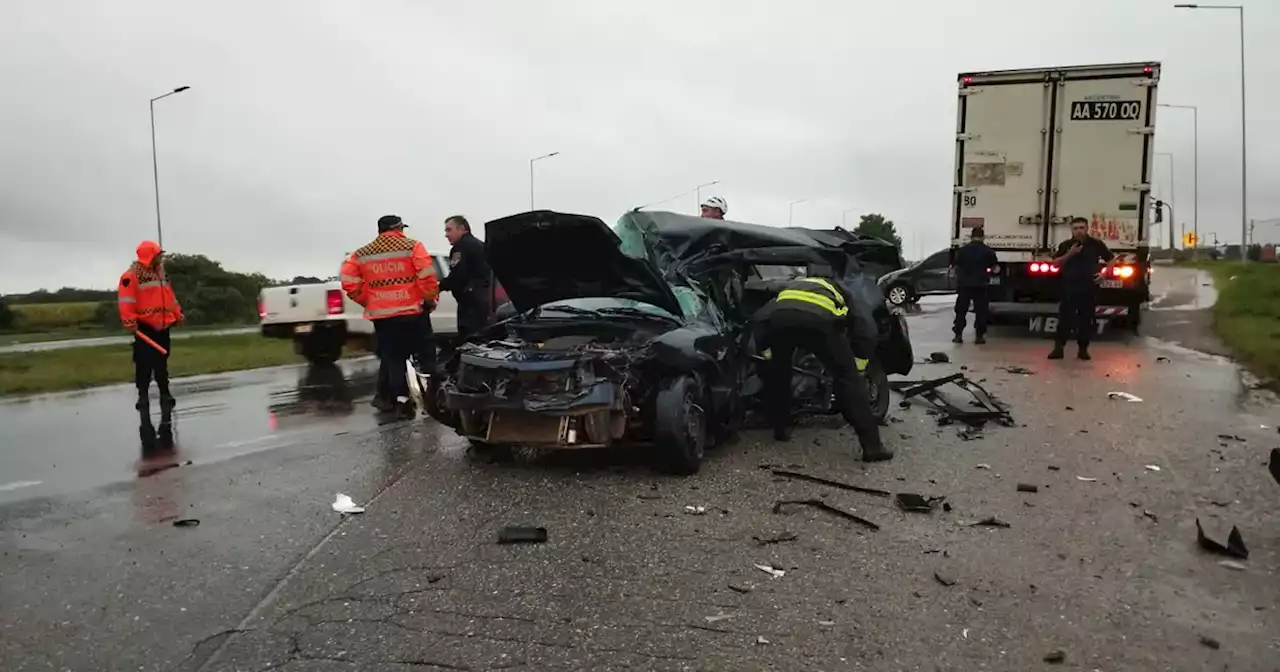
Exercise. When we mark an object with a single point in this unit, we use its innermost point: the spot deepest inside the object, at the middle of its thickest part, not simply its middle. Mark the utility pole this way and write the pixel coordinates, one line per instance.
(155, 165)
(531, 161)
(1195, 175)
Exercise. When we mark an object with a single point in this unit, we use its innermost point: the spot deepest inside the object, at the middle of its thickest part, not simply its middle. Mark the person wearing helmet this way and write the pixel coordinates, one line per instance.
(714, 208)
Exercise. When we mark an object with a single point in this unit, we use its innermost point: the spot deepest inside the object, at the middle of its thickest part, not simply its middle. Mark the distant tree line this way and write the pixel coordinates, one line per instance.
(209, 293)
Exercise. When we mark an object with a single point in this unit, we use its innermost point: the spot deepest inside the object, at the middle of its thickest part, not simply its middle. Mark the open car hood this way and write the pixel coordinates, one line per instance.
(542, 256)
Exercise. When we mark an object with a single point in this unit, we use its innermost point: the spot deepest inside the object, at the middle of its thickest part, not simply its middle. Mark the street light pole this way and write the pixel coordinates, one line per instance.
(791, 209)
(697, 191)
(155, 165)
(842, 217)
(1173, 197)
(1195, 175)
(1244, 162)
(536, 158)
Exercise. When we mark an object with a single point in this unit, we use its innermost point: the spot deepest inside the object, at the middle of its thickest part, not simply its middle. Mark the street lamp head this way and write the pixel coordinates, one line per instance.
(553, 154)
(180, 89)
(1184, 6)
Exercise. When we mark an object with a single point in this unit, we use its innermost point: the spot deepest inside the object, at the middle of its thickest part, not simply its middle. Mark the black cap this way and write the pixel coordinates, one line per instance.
(390, 222)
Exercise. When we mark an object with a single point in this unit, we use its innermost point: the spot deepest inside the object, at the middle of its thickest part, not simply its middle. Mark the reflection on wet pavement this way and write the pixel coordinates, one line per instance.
(62, 443)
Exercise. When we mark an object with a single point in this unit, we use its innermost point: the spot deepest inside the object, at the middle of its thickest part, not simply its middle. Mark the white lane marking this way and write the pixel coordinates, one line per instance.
(18, 485)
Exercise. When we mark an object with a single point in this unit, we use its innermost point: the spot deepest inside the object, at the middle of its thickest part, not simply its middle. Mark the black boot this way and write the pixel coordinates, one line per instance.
(383, 404)
(1084, 353)
(1057, 352)
(144, 401)
(981, 339)
(958, 338)
(873, 450)
(167, 402)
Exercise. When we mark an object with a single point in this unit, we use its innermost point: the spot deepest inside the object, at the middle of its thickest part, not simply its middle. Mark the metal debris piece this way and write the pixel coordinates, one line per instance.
(1232, 564)
(912, 502)
(695, 510)
(1055, 657)
(771, 571)
(1210, 642)
(827, 481)
(740, 588)
(939, 358)
(1230, 437)
(990, 521)
(1234, 547)
(1151, 467)
(944, 578)
(1028, 487)
(1150, 515)
(1124, 396)
(1162, 359)
(719, 617)
(819, 504)
(517, 534)
(187, 522)
(776, 539)
(344, 504)
(983, 466)
(987, 406)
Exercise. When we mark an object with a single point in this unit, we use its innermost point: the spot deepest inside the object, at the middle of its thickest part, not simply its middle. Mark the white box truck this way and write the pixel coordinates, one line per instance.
(1037, 148)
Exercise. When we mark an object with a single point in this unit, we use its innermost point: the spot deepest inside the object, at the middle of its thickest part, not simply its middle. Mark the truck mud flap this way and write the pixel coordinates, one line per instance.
(987, 408)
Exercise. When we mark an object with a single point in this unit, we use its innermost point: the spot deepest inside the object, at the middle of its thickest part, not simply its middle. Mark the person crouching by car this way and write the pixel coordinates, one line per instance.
(394, 278)
(813, 314)
(973, 265)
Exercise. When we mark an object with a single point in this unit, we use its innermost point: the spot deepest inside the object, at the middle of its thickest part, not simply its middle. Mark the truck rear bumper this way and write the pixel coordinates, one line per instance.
(1011, 308)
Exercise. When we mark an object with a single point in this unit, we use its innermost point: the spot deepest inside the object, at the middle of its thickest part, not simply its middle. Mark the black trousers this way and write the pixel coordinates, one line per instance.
(148, 363)
(399, 338)
(1076, 314)
(981, 302)
(787, 330)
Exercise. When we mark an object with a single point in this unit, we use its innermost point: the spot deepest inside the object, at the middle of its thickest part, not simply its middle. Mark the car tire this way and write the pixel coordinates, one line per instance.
(877, 382)
(900, 294)
(680, 425)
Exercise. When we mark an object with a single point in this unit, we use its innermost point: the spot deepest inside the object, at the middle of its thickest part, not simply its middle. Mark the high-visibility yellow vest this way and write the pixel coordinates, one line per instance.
(831, 299)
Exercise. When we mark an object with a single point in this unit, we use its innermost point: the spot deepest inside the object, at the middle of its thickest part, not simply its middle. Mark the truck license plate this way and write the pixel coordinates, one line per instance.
(994, 281)
(302, 329)
(1112, 284)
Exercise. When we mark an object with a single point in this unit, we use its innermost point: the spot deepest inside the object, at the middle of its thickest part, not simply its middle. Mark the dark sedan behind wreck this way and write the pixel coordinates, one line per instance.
(639, 338)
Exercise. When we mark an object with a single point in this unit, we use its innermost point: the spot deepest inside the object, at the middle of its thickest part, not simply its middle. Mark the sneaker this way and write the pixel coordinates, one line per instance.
(1084, 354)
(1056, 354)
(980, 339)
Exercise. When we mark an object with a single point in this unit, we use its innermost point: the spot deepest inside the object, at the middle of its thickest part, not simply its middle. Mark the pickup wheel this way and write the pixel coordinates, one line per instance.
(680, 425)
(877, 382)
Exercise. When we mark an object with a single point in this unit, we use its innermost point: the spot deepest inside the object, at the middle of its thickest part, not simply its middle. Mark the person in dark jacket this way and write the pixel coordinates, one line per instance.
(813, 314)
(973, 265)
(1079, 257)
(469, 276)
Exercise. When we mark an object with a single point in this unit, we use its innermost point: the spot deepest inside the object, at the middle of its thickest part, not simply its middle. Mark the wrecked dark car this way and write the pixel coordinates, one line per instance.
(600, 348)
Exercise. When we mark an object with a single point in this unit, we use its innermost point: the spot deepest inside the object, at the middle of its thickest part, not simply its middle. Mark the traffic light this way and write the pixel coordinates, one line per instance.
(1159, 211)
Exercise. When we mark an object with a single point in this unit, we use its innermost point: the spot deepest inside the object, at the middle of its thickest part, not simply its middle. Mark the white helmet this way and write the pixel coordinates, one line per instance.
(718, 203)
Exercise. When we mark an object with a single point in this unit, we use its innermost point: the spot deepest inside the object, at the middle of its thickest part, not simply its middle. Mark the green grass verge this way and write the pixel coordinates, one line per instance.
(53, 316)
(1247, 314)
(77, 368)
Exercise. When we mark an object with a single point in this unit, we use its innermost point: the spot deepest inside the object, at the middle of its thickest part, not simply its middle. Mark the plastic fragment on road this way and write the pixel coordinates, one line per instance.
(1232, 564)
(761, 641)
(1151, 467)
(1234, 547)
(772, 571)
(911, 502)
(695, 510)
(344, 504)
(819, 504)
(1086, 479)
(990, 521)
(983, 466)
(522, 534)
(1125, 396)
(827, 481)
(719, 617)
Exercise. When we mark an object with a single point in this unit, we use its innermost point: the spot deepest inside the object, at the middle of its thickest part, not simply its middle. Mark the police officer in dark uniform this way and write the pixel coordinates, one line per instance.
(469, 276)
(1079, 258)
(973, 265)
(813, 314)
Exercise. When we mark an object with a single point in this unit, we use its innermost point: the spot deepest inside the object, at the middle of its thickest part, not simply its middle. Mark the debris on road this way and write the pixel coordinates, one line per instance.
(1232, 564)
(990, 521)
(1151, 467)
(519, 534)
(1086, 479)
(343, 504)
(1055, 657)
(1054, 467)
(944, 578)
(983, 408)
(1234, 547)
(1150, 515)
(772, 571)
(1017, 370)
(740, 588)
(909, 501)
(819, 504)
(1028, 487)
(1230, 437)
(1162, 359)
(1124, 395)
(969, 433)
(983, 465)
(187, 522)
(776, 538)
(761, 641)
(1210, 642)
(826, 481)
(719, 617)
(695, 510)
(939, 358)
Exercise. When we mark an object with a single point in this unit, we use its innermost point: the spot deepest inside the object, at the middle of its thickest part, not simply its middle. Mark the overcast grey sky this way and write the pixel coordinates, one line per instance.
(308, 119)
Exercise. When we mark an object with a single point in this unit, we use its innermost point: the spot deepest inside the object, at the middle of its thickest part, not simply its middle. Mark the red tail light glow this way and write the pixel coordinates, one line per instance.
(334, 298)
(1123, 272)
(262, 310)
(1043, 268)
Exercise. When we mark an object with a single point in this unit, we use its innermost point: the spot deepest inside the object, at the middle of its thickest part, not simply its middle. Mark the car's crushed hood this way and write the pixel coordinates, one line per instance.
(541, 257)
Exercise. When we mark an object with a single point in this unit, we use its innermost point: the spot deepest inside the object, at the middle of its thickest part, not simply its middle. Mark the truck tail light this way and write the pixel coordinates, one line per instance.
(262, 309)
(334, 298)
(1043, 268)
(1123, 272)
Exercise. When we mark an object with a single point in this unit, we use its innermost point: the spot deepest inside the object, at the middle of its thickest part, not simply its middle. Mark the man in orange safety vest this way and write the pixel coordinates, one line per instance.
(148, 308)
(394, 278)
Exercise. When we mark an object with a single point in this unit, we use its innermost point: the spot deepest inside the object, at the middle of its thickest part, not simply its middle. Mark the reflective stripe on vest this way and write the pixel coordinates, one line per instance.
(836, 305)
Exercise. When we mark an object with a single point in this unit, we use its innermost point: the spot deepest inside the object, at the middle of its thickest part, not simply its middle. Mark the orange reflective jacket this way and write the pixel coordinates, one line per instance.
(391, 276)
(144, 295)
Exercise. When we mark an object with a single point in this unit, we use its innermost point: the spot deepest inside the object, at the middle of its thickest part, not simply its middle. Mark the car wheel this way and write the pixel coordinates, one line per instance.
(680, 425)
(899, 294)
(877, 390)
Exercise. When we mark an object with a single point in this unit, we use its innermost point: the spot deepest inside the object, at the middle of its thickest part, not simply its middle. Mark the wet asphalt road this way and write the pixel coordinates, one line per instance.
(95, 576)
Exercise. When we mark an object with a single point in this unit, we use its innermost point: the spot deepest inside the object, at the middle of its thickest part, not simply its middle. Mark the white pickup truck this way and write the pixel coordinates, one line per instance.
(321, 319)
